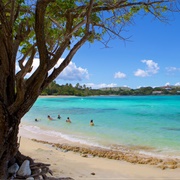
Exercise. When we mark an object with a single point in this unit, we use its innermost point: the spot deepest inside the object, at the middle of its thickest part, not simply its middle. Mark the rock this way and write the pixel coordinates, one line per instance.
(30, 178)
(24, 170)
(84, 155)
(65, 151)
(13, 169)
(93, 173)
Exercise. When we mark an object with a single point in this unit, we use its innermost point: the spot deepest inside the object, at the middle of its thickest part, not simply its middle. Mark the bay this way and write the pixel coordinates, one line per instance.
(145, 124)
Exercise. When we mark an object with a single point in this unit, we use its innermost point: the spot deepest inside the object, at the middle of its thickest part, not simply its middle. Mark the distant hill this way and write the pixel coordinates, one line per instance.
(79, 90)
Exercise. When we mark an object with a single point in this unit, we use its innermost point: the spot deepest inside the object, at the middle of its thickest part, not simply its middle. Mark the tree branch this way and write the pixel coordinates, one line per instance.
(39, 30)
(21, 61)
(3, 20)
(12, 13)
(88, 15)
(20, 83)
(66, 61)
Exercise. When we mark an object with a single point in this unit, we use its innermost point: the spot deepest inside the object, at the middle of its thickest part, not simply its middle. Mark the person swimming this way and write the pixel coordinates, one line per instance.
(59, 117)
(68, 120)
(91, 123)
(49, 117)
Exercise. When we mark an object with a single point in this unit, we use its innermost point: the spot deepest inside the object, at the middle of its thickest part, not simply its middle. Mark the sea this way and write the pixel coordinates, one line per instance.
(144, 124)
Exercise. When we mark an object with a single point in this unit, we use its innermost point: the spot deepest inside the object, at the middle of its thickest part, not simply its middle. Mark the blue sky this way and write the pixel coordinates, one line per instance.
(151, 57)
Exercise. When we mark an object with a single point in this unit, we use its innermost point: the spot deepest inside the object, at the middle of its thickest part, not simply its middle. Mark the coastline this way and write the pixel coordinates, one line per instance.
(54, 96)
(78, 162)
(138, 123)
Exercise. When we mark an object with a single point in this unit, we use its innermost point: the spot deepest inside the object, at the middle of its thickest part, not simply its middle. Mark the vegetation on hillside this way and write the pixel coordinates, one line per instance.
(78, 90)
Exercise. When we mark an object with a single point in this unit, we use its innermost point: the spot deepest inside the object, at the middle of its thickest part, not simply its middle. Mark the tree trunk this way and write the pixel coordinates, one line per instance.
(9, 127)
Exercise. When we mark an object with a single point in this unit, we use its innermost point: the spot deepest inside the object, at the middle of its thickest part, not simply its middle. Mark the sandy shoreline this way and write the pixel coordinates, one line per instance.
(78, 165)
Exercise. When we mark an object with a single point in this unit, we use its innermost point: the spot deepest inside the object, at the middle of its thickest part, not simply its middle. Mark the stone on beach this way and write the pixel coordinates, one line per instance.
(30, 178)
(13, 169)
(24, 170)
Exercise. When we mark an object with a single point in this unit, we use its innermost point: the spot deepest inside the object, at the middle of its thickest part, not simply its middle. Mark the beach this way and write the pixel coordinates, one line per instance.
(65, 163)
(133, 137)
(138, 123)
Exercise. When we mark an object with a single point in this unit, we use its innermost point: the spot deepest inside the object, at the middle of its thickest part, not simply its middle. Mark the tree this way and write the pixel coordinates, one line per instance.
(49, 30)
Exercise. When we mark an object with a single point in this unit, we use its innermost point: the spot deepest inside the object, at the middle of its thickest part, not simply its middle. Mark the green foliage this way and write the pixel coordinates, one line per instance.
(146, 8)
(21, 1)
(78, 90)
(56, 19)
(164, 8)
(134, 9)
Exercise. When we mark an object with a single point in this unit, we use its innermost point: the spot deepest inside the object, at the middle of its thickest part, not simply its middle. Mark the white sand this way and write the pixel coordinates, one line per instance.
(70, 164)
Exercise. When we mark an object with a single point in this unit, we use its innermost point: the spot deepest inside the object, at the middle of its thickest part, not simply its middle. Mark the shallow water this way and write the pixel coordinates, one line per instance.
(147, 124)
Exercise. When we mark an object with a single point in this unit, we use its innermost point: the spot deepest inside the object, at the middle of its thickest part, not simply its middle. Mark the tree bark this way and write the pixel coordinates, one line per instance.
(9, 127)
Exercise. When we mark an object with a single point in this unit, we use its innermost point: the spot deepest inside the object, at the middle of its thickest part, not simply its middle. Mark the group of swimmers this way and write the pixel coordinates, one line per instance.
(67, 120)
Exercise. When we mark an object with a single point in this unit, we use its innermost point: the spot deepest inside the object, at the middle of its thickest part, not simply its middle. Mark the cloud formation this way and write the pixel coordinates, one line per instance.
(177, 84)
(141, 73)
(167, 84)
(71, 72)
(151, 68)
(102, 85)
(119, 75)
(172, 69)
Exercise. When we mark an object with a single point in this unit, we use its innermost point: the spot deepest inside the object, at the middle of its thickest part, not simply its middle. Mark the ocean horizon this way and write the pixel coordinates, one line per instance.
(143, 124)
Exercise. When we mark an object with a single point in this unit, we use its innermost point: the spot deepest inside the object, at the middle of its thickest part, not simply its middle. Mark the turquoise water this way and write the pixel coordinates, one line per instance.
(147, 124)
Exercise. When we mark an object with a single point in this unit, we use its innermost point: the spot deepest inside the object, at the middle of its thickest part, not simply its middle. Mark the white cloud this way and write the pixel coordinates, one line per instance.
(103, 85)
(125, 86)
(171, 69)
(152, 68)
(177, 84)
(138, 87)
(71, 72)
(119, 75)
(167, 84)
(141, 73)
